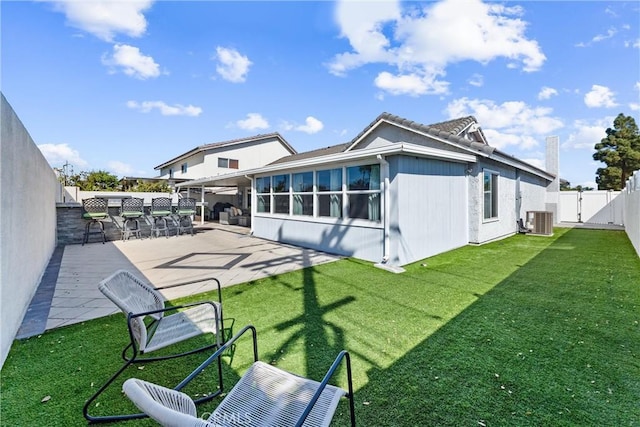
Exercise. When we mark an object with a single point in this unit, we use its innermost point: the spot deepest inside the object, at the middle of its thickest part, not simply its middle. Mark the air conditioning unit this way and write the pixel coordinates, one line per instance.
(540, 222)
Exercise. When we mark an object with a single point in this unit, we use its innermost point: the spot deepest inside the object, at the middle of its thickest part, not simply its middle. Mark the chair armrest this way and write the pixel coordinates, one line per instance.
(342, 355)
(219, 352)
(174, 308)
(206, 279)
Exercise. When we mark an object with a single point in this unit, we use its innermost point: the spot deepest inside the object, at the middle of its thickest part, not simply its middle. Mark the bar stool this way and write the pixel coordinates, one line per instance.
(131, 210)
(160, 210)
(95, 210)
(186, 208)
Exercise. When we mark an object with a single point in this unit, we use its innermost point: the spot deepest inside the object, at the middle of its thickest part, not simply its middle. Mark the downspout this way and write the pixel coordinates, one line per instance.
(252, 203)
(384, 166)
(202, 205)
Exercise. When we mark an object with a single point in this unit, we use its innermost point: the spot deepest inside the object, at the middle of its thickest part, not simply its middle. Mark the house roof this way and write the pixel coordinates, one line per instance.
(314, 153)
(449, 132)
(224, 144)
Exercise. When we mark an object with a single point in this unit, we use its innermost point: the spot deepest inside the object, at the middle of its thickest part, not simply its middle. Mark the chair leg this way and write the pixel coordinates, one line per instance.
(109, 418)
(87, 231)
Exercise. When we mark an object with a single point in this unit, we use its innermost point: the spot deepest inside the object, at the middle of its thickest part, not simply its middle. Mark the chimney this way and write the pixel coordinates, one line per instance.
(552, 165)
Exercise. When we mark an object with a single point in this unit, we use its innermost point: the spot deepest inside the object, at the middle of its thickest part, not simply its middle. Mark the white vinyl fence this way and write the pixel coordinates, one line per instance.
(632, 210)
(593, 207)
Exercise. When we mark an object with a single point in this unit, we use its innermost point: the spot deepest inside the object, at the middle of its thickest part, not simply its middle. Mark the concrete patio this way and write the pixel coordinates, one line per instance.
(68, 292)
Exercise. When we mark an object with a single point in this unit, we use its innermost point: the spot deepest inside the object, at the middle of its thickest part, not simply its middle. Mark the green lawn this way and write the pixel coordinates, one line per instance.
(527, 331)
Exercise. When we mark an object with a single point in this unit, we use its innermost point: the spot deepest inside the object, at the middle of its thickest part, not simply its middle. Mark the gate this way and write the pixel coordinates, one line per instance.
(594, 207)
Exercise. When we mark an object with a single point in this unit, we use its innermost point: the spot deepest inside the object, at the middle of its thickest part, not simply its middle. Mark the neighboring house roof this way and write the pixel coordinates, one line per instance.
(224, 144)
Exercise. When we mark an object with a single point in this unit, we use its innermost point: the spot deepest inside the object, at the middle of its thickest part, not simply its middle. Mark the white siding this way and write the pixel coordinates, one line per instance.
(428, 208)
(343, 239)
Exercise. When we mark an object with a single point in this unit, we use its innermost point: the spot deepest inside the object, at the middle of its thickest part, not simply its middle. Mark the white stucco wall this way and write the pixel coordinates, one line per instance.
(28, 189)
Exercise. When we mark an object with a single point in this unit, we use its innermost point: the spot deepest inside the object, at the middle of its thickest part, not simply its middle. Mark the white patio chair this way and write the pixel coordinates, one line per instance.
(151, 328)
(264, 396)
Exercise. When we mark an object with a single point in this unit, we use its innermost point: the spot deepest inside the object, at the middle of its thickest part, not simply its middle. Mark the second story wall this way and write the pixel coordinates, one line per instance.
(226, 159)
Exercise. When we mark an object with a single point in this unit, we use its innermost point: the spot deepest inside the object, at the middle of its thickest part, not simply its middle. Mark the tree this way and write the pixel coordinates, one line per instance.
(98, 181)
(620, 151)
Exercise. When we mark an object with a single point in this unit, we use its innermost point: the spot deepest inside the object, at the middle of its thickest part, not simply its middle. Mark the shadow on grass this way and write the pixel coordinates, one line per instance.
(555, 343)
(525, 331)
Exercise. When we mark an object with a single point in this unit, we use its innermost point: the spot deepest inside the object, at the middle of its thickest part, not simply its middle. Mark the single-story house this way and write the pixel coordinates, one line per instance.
(399, 192)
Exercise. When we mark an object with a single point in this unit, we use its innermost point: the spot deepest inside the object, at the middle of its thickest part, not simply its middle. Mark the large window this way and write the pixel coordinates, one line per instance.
(490, 194)
(296, 194)
(302, 193)
(330, 193)
(281, 194)
(363, 192)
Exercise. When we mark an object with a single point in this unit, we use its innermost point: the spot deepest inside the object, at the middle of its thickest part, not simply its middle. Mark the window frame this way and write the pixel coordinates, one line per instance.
(227, 163)
(493, 193)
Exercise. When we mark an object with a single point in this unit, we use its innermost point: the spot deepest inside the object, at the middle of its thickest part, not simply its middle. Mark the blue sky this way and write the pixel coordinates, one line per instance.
(126, 86)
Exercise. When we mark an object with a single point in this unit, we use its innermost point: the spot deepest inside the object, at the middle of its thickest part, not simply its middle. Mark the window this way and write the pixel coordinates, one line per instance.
(363, 192)
(170, 173)
(302, 193)
(281, 194)
(490, 194)
(353, 192)
(183, 168)
(228, 163)
(263, 194)
(330, 193)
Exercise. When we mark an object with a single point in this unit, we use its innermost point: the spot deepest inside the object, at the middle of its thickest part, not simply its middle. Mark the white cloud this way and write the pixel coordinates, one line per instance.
(165, 109)
(311, 126)
(600, 96)
(610, 33)
(546, 92)
(410, 84)
(59, 154)
(120, 168)
(585, 134)
(252, 122)
(634, 106)
(106, 18)
(232, 65)
(512, 123)
(132, 62)
(421, 41)
(476, 80)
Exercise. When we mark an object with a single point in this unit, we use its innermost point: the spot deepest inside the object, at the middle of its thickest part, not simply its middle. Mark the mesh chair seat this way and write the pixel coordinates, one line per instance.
(269, 396)
(264, 396)
(182, 325)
